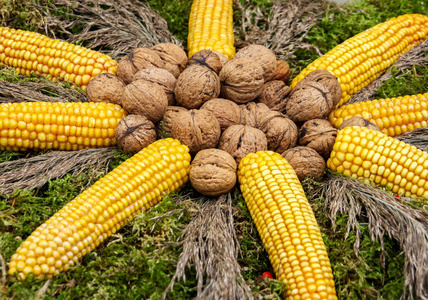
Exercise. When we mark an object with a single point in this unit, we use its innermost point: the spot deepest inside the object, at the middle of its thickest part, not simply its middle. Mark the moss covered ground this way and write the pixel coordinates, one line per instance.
(139, 260)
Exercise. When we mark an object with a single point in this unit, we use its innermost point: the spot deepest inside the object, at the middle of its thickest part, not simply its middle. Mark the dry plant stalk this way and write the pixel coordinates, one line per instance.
(385, 214)
(35, 171)
(210, 244)
(417, 56)
(417, 138)
(113, 27)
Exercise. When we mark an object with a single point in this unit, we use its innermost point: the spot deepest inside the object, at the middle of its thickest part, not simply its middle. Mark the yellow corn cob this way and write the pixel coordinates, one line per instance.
(211, 27)
(287, 225)
(31, 52)
(63, 126)
(359, 60)
(362, 153)
(394, 116)
(136, 185)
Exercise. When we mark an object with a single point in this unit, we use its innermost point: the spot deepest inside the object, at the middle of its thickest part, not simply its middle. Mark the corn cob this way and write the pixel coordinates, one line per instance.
(211, 27)
(31, 52)
(63, 126)
(394, 116)
(362, 153)
(287, 225)
(359, 60)
(79, 227)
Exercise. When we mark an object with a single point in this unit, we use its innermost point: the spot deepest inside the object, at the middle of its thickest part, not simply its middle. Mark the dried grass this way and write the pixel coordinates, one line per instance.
(417, 138)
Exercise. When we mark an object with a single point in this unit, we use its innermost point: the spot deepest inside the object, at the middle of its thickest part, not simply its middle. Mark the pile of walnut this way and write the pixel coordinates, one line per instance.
(222, 110)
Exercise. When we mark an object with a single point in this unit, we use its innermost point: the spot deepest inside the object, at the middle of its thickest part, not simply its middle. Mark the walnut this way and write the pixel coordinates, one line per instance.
(161, 77)
(173, 56)
(319, 135)
(329, 80)
(241, 80)
(358, 121)
(240, 140)
(213, 172)
(138, 59)
(165, 126)
(195, 86)
(145, 98)
(251, 113)
(282, 71)
(135, 132)
(264, 56)
(105, 87)
(223, 58)
(206, 58)
(275, 95)
(227, 112)
(280, 131)
(309, 100)
(196, 128)
(306, 162)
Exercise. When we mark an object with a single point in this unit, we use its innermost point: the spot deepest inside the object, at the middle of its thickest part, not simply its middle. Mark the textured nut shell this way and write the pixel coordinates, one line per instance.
(134, 133)
(309, 100)
(195, 86)
(329, 80)
(223, 58)
(264, 56)
(282, 71)
(206, 58)
(358, 121)
(161, 77)
(319, 135)
(227, 112)
(251, 113)
(281, 132)
(198, 129)
(144, 98)
(305, 162)
(241, 80)
(138, 59)
(240, 140)
(213, 172)
(170, 114)
(275, 95)
(105, 87)
(174, 57)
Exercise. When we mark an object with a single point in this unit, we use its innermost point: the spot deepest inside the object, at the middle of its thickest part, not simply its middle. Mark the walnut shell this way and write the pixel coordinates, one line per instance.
(135, 132)
(309, 100)
(223, 58)
(174, 57)
(251, 113)
(306, 162)
(329, 80)
(282, 71)
(138, 59)
(195, 86)
(196, 128)
(264, 56)
(319, 135)
(240, 140)
(275, 95)
(281, 132)
(358, 121)
(105, 87)
(170, 114)
(145, 98)
(161, 77)
(241, 80)
(227, 112)
(206, 58)
(213, 172)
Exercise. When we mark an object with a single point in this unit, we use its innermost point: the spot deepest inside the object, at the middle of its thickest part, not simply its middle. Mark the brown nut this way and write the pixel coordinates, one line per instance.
(195, 86)
(196, 128)
(358, 121)
(264, 56)
(135, 132)
(165, 126)
(223, 58)
(319, 135)
(306, 162)
(227, 112)
(282, 71)
(275, 95)
(206, 58)
(329, 80)
(161, 77)
(173, 56)
(105, 87)
(251, 113)
(213, 172)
